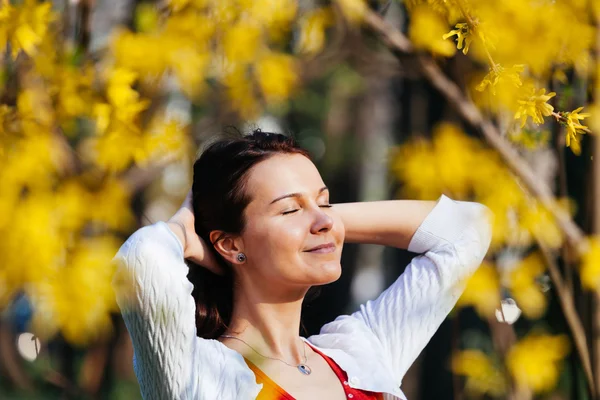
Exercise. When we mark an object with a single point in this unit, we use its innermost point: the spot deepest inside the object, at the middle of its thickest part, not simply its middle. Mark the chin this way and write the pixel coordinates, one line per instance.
(329, 272)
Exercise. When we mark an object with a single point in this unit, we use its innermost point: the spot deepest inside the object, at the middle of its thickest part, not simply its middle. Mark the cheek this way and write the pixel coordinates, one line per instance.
(276, 240)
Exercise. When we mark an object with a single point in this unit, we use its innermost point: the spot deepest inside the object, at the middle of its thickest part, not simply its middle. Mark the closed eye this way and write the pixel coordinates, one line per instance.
(295, 210)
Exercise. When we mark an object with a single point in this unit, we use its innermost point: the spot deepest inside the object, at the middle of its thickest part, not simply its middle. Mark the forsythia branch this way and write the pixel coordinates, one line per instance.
(398, 42)
(567, 304)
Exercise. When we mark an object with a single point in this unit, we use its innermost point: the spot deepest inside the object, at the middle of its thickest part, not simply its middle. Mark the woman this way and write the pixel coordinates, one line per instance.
(261, 234)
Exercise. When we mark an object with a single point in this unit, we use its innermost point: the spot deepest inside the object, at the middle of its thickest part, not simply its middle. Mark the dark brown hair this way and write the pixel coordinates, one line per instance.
(219, 199)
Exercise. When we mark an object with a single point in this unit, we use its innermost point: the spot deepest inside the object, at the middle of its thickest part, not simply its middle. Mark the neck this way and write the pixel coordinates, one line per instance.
(270, 324)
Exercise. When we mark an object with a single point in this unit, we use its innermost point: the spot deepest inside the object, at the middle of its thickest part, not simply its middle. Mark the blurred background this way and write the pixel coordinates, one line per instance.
(104, 106)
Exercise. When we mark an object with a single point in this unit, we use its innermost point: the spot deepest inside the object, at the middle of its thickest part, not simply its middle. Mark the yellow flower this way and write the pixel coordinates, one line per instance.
(190, 27)
(9, 198)
(312, 30)
(102, 113)
(482, 291)
(116, 149)
(523, 286)
(483, 376)
(177, 5)
(499, 98)
(414, 164)
(34, 225)
(277, 76)
(454, 158)
(7, 12)
(73, 205)
(180, 48)
(499, 75)
(143, 53)
(455, 164)
(146, 17)
(560, 76)
(540, 224)
(31, 21)
(122, 96)
(571, 121)
(72, 90)
(532, 23)
(34, 160)
(35, 107)
(463, 36)
(594, 121)
(189, 66)
(112, 206)
(459, 165)
(590, 265)
(241, 92)
(119, 135)
(275, 15)
(242, 42)
(167, 138)
(224, 12)
(534, 105)
(78, 299)
(353, 10)
(443, 7)
(499, 190)
(535, 361)
(596, 9)
(426, 31)
(270, 12)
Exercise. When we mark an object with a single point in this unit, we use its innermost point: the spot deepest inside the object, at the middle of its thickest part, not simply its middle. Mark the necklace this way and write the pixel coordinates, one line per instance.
(302, 367)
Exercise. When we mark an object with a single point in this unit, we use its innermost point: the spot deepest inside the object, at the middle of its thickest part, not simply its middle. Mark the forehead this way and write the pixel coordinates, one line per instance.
(282, 174)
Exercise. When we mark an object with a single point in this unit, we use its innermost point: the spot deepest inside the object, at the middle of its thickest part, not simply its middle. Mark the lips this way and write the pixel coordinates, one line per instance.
(323, 248)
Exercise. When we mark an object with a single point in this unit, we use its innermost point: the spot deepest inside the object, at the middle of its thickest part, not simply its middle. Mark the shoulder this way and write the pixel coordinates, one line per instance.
(349, 334)
(358, 351)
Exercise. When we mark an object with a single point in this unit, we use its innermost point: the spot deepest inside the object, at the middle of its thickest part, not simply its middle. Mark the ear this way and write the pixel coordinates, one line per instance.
(227, 245)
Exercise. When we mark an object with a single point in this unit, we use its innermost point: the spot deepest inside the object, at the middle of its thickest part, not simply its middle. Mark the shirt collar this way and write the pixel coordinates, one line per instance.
(376, 379)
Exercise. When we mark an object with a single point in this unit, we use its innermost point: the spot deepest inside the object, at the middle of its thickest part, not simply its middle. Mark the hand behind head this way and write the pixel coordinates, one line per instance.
(194, 248)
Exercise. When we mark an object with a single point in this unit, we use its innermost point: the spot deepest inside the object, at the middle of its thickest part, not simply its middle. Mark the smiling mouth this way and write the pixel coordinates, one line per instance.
(322, 249)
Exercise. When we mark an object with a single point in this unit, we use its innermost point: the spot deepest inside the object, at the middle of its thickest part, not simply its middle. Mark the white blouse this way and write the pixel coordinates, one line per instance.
(375, 345)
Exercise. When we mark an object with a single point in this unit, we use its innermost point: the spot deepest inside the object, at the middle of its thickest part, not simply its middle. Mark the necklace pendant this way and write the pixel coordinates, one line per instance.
(305, 369)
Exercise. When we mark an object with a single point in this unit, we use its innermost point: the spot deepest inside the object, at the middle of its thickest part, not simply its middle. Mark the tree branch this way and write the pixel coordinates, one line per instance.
(398, 42)
(567, 303)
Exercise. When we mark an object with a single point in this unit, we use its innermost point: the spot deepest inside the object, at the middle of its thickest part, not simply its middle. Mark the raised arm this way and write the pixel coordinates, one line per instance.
(156, 302)
(453, 238)
(155, 299)
(389, 223)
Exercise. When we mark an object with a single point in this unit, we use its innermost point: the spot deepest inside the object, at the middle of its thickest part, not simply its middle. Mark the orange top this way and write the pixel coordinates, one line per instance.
(272, 391)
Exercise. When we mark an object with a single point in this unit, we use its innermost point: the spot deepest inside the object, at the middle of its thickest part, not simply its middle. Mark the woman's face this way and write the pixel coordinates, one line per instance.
(291, 236)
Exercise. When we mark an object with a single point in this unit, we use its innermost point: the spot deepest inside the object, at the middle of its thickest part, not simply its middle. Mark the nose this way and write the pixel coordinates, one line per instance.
(322, 222)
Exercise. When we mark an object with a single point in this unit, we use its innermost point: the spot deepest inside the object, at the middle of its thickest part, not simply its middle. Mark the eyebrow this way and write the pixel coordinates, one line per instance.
(285, 196)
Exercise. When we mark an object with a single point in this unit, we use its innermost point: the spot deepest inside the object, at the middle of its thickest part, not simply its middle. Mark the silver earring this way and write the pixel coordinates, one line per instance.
(241, 257)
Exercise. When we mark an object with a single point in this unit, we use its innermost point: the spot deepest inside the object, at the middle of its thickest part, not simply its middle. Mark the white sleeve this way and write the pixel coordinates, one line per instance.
(155, 298)
(453, 240)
